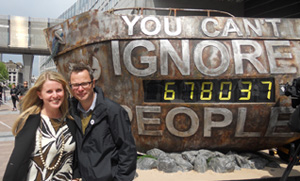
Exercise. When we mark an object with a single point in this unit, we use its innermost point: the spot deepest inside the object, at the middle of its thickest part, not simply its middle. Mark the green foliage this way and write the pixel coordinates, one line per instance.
(208, 160)
(3, 72)
(146, 156)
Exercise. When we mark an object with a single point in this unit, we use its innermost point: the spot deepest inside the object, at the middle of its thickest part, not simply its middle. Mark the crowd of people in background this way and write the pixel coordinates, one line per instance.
(17, 92)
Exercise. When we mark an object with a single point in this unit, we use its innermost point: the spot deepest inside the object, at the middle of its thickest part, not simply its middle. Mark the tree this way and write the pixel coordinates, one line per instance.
(3, 72)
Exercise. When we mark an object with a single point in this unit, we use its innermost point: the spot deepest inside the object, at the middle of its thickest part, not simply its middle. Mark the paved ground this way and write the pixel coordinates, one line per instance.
(7, 118)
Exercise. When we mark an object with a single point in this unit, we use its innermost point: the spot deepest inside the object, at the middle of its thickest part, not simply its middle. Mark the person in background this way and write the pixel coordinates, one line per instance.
(105, 146)
(1, 90)
(14, 96)
(23, 89)
(21, 93)
(44, 133)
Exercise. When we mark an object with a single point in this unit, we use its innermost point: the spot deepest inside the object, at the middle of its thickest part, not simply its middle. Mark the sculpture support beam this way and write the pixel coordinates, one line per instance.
(28, 63)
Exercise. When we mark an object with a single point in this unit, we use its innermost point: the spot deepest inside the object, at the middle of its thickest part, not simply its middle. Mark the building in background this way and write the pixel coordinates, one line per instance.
(15, 72)
(235, 7)
(238, 8)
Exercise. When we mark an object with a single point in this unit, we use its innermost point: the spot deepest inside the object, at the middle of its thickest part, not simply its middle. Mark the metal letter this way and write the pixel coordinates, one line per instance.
(141, 121)
(184, 110)
(273, 123)
(251, 57)
(205, 30)
(234, 29)
(156, 22)
(130, 24)
(116, 57)
(239, 132)
(96, 67)
(276, 57)
(167, 27)
(274, 26)
(256, 29)
(144, 59)
(167, 49)
(219, 47)
(208, 123)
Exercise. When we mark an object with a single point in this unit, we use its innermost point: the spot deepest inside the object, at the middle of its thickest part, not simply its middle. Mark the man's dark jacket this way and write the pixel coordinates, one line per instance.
(107, 150)
(18, 164)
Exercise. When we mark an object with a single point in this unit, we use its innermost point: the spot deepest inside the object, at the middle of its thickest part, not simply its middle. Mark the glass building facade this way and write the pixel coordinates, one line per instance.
(85, 5)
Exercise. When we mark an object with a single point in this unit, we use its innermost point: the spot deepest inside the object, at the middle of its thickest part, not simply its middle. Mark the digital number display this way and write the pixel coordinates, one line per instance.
(212, 90)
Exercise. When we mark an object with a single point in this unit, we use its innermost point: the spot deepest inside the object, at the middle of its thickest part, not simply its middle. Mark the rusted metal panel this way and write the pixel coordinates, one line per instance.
(93, 26)
(190, 82)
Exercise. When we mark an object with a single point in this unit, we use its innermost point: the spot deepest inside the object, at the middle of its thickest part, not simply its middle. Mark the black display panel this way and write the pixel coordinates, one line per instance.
(212, 90)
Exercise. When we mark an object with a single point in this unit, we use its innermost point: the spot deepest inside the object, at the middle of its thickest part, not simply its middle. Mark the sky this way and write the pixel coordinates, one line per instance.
(36, 9)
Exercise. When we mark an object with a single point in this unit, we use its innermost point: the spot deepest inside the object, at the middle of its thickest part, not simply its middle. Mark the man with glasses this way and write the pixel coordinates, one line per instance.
(105, 146)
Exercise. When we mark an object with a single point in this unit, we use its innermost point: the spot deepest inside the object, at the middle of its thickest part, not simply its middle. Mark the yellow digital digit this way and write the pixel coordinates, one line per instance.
(169, 91)
(229, 91)
(248, 91)
(192, 84)
(209, 91)
(269, 88)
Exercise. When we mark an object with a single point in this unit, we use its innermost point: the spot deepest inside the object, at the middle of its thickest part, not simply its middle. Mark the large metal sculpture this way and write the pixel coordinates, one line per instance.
(190, 82)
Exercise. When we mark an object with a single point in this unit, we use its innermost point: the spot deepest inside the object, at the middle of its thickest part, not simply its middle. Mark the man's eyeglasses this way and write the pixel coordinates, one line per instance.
(83, 85)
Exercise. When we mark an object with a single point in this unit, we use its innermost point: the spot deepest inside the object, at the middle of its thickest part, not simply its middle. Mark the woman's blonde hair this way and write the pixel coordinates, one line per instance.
(32, 104)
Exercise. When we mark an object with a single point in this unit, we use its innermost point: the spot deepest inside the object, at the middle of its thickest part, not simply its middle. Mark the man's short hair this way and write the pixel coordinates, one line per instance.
(79, 67)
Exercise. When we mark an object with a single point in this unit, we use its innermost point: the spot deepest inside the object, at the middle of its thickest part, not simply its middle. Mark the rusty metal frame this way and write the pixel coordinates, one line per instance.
(140, 10)
(127, 50)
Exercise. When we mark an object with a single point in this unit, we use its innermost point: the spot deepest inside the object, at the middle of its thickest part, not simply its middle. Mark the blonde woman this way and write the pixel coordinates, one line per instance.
(44, 133)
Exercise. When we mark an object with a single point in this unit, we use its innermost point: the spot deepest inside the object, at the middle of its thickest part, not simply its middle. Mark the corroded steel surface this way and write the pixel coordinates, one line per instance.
(125, 50)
